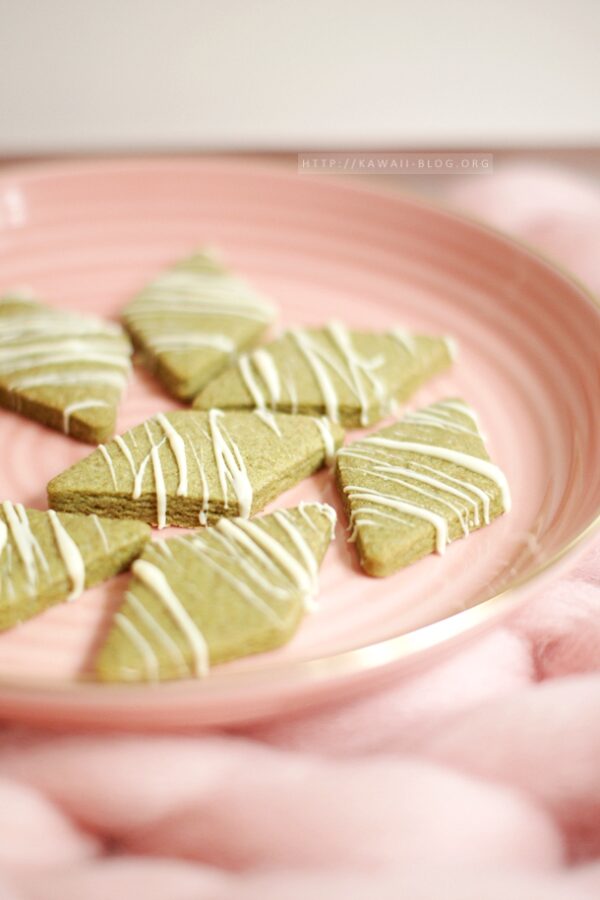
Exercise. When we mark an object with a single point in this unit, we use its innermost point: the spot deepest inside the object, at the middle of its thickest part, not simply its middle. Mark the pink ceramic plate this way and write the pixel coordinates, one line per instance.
(86, 236)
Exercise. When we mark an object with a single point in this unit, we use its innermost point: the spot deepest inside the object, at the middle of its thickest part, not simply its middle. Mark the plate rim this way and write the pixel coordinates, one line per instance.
(381, 654)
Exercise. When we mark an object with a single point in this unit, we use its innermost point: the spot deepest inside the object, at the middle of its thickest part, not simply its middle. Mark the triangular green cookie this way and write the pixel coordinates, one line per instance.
(189, 322)
(46, 557)
(354, 378)
(186, 467)
(239, 588)
(411, 488)
(64, 370)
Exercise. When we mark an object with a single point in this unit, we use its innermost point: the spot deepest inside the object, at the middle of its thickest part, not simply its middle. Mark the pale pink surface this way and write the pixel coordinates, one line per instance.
(476, 778)
(528, 341)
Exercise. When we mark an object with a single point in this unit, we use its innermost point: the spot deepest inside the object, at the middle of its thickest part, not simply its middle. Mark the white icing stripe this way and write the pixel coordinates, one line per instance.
(326, 386)
(466, 460)
(37, 550)
(451, 346)
(26, 347)
(149, 308)
(203, 514)
(39, 361)
(378, 468)
(291, 389)
(120, 442)
(227, 552)
(45, 348)
(268, 419)
(100, 376)
(324, 427)
(356, 372)
(405, 339)
(101, 532)
(138, 472)
(38, 326)
(297, 574)
(159, 481)
(356, 521)
(185, 339)
(23, 538)
(155, 580)
(202, 287)
(71, 556)
(177, 445)
(356, 492)
(3, 536)
(104, 451)
(306, 554)
(440, 485)
(357, 367)
(479, 492)
(437, 420)
(161, 491)
(77, 407)
(250, 382)
(219, 564)
(159, 633)
(267, 370)
(324, 509)
(459, 513)
(462, 408)
(151, 664)
(230, 466)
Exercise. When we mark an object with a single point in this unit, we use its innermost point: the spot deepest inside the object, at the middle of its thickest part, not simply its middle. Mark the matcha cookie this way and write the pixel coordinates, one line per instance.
(189, 322)
(46, 557)
(187, 467)
(64, 370)
(412, 488)
(226, 592)
(352, 377)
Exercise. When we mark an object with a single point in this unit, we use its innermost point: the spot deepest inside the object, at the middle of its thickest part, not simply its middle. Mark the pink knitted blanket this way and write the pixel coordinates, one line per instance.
(477, 780)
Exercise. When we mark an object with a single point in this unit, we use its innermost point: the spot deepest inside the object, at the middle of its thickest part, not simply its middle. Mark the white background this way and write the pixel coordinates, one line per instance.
(187, 74)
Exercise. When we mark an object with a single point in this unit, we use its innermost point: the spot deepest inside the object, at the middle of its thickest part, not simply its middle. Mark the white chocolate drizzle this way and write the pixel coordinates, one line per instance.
(257, 395)
(256, 560)
(43, 348)
(230, 465)
(178, 447)
(159, 481)
(70, 555)
(77, 407)
(465, 460)
(377, 458)
(104, 451)
(143, 647)
(208, 455)
(155, 580)
(405, 339)
(356, 492)
(193, 299)
(324, 427)
(26, 543)
(103, 536)
(3, 537)
(334, 362)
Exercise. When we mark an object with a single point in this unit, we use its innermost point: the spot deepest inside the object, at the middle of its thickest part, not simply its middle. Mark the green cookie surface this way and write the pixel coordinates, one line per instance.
(354, 378)
(412, 488)
(64, 370)
(46, 557)
(239, 588)
(189, 467)
(188, 322)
